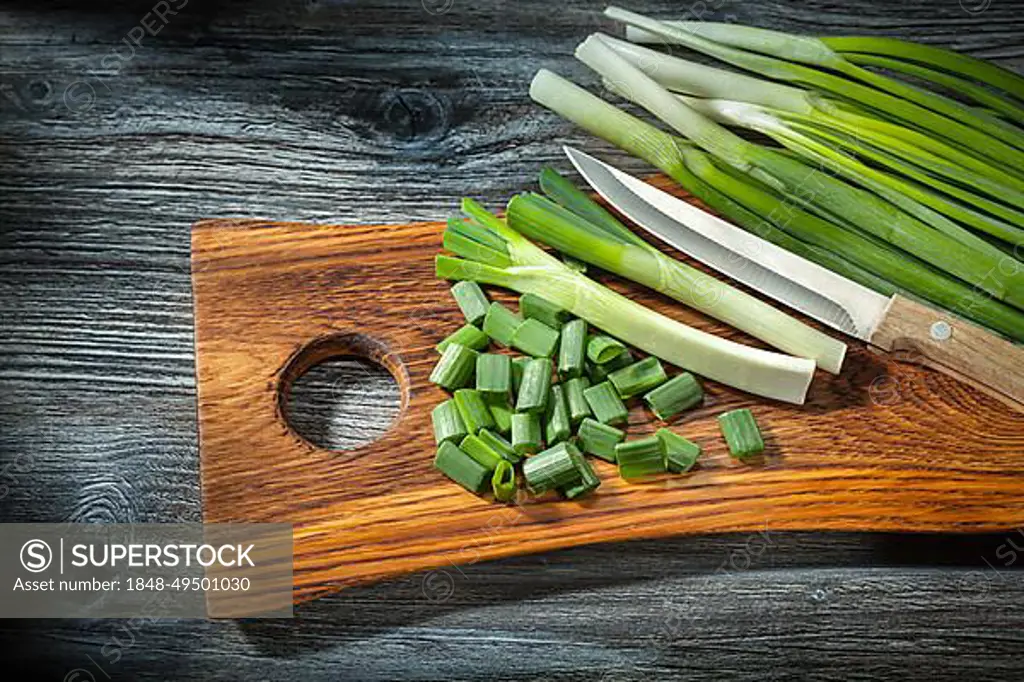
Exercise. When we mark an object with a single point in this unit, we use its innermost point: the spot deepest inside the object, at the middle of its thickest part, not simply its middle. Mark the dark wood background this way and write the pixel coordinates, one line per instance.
(344, 111)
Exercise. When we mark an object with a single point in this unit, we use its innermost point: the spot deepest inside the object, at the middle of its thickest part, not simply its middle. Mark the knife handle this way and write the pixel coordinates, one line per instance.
(917, 333)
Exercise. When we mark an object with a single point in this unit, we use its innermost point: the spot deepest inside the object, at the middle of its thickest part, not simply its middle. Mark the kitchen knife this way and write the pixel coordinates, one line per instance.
(911, 330)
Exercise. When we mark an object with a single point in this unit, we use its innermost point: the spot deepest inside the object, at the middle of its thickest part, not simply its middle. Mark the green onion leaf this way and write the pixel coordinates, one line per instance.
(526, 438)
(534, 307)
(471, 301)
(741, 433)
(599, 439)
(461, 468)
(576, 401)
(503, 482)
(535, 338)
(605, 403)
(468, 336)
(638, 377)
(641, 457)
(536, 384)
(500, 324)
(473, 410)
(447, 423)
(550, 469)
(680, 453)
(455, 368)
(674, 396)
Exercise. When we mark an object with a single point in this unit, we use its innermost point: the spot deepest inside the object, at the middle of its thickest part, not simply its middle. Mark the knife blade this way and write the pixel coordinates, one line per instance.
(788, 278)
(913, 331)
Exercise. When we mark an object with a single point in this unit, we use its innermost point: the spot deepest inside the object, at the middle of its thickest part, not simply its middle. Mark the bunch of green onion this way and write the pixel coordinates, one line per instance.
(893, 184)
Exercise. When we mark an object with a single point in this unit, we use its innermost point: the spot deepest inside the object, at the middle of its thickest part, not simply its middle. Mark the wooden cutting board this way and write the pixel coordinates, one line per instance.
(884, 446)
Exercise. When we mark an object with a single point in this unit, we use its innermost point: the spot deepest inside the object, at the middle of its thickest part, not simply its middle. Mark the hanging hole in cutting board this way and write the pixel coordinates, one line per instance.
(343, 392)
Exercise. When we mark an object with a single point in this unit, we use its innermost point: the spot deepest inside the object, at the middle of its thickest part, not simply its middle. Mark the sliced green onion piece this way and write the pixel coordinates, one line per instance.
(503, 482)
(556, 419)
(602, 349)
(467, 335)
(455, 368)
(525, 432)
(536, 384)
(471, 301)
(677, 394)
(680, 454)
(599, 439)
(535, 338)
(578, 407)
(500, 324)
(480, 451)
(638, 377)
(572, 349)
(599, 373)
(501, 411)
(741, 433)
(605, 403)
(588, 481)
(447, 423)
(461, 468)
(498, 443)
(550, 469)
(518, 365)
(473, 410)
(641, 457)
(494, 373)
(534, 307)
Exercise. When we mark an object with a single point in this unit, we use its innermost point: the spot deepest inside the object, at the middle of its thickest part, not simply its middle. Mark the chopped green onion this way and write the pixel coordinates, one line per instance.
(468, 336)
(578, 407)
(526, 437)
(602, 349)
(741, 433)
(535, 338)
(572, 349)
(473, 410)
(638, 377)
(461, 468)
(536, 384)
(500, 324)
(677, 394)
(503, 482)
(447, 423)
(494, 373)
(588, 480)
(471, 301)
(550, 469)
(500, 445)
(680, 454)
(605, 403)
(599, 373)
(599, 439)
(455, 368)
(534, 307)
(480, 451)
(556, 420)
(518, 365)
(641, 457)
(501, 411)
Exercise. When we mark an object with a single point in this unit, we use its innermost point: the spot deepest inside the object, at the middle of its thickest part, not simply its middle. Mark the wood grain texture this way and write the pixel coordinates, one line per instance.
(961, 349)
(328, 111)
(273, 299)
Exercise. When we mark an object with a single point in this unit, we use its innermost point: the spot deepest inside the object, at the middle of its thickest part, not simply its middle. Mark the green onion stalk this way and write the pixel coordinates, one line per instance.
(762, 210)
(516, 263)
(829, 196)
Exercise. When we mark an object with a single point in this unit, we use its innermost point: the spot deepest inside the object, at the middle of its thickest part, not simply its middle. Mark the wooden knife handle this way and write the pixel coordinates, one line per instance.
(917, 333)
